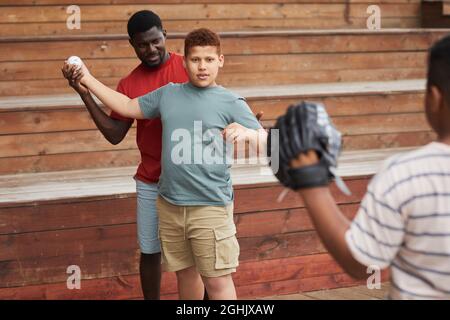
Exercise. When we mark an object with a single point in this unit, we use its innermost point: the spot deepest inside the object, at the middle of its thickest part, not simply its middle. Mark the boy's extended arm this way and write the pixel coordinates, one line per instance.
(110, 98)
(114, 100)
(329, 221)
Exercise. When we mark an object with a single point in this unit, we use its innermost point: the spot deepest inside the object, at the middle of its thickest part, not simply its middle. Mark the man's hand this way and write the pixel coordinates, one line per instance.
(74, 74)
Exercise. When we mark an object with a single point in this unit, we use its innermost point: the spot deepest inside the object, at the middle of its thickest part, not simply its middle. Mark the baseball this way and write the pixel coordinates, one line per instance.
(75, 60)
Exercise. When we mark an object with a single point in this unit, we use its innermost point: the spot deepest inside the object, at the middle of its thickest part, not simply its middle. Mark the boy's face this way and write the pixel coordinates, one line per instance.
(150, 46)
(202, 65)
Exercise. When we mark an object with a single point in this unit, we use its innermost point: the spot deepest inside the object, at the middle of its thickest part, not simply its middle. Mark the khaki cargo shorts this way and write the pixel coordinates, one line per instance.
(204, 236)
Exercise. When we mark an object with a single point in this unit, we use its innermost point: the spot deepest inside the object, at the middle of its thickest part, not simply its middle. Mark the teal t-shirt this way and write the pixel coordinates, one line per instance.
(195, 161)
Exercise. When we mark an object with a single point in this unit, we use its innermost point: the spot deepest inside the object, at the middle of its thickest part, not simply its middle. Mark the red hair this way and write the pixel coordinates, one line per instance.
(201, 37)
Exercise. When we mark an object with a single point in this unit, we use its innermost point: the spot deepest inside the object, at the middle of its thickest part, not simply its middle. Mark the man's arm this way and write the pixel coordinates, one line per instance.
(329, 221)
(112, 99)
(112, 129)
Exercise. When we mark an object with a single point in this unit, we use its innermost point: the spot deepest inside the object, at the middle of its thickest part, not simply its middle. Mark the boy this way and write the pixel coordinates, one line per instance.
(404, 218)
(195, 206)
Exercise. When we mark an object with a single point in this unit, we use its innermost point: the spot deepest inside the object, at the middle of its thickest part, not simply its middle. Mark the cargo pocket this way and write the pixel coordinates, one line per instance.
(163, 256)
(227, 247)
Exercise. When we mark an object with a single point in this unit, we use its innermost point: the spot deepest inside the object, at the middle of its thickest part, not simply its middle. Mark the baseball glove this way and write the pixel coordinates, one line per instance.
(305, 126)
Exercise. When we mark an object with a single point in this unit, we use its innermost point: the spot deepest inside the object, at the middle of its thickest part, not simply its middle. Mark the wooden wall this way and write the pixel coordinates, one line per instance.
(280, 251)
(48, 17)
(33, 67)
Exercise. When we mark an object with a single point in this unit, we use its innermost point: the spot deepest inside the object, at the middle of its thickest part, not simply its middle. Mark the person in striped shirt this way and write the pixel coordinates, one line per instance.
(404, 219)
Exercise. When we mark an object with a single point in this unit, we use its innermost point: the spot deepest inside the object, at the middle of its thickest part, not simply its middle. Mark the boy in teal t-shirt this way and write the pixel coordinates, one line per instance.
(195, 206)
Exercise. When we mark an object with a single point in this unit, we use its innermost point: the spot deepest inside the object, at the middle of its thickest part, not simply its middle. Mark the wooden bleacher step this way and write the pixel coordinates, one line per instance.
(54, 133)
(294, 57)
(36, 17)
(47, 186)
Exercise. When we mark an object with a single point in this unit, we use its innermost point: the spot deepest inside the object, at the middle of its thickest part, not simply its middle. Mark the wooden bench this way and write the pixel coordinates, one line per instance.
(48, 17)
(49, 221)
(251, 58)
(53, 133)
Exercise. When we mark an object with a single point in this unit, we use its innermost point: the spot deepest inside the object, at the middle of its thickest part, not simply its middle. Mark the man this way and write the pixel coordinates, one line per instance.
(157, 68)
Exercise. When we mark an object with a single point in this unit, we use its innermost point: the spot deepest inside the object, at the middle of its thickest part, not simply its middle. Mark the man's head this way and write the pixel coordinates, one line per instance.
(437, 100)
(148, 38)
(202, 57)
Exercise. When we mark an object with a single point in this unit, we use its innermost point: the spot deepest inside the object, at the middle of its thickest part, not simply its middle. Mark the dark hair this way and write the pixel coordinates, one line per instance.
(201, 37)
(439, 67)
(142, 21)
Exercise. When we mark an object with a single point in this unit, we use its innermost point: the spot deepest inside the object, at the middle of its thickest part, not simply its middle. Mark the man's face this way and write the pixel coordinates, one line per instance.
(202, 65)
(150, 46)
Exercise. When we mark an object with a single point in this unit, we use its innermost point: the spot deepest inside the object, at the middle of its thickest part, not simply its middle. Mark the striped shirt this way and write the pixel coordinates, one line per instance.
(404, 223)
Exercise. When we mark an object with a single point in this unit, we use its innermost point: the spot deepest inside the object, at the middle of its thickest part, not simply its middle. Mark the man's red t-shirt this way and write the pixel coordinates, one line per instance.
(139, 82)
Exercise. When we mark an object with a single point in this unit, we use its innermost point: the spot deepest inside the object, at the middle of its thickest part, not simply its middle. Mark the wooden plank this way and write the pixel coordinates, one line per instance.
(166, 12)
(254, 93)
(58, 142)
(265, 198)
(266, 271)
(30, 189)
(391, 140)
(68, 215)
(340, 294)
(70, 161)
(445, 8)
(302, 42)
(374, 293)
(280, 221)
(58, 216)
(297, 285)
(43, 257)
(237, 79)
(33, 189)
(67, 2)
(111, 27)
(70, 242)
(344, 106)
(14, 145)
(67, 120)
(376, 124)
(38, 87)
(127, 286)
(205, 11)
(77, 118)
(131, 157)
(22, 271)
(377, 294)
(311, 76)
(13, 71)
